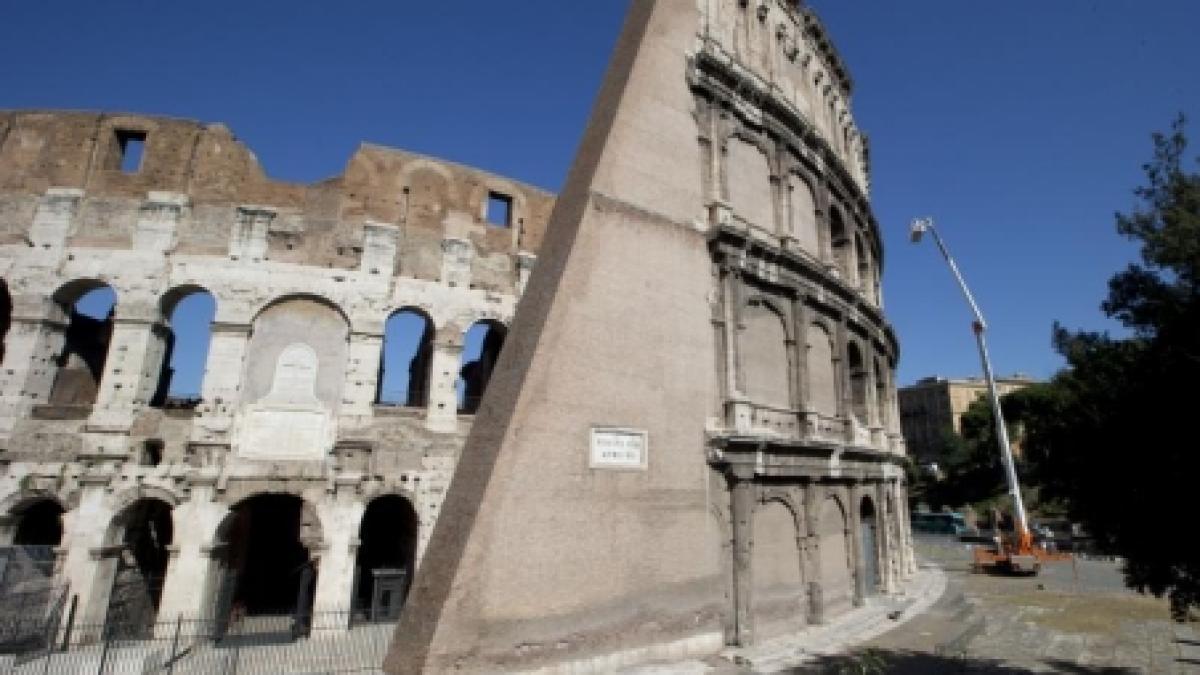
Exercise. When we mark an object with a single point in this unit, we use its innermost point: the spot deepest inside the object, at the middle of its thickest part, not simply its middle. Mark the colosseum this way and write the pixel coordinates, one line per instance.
(226, 397)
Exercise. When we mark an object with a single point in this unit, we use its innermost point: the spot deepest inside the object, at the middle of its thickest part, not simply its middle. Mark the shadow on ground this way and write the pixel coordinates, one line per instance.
(887, 661)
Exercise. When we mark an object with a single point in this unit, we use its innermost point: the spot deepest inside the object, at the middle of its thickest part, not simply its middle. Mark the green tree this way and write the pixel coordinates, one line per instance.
(1114, 438)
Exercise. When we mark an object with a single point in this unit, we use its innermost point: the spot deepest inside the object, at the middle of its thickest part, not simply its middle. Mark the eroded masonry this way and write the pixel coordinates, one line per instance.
(344, 330)
(691, 439)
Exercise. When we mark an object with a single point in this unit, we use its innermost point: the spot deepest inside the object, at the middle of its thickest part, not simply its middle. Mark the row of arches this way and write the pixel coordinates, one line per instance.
(845, 565)
(267, 557)
(809, 377)
(87, 309)
(750, 191)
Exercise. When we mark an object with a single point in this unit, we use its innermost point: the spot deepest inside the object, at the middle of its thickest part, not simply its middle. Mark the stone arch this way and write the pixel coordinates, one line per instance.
(87, 306)
(803, 214)
(405, 368)
(869, 546)
(137, 550)
(840, 243)
(779, 595)
(386, 559)
(298, 319)
(269, 543)
(857, 369)
(748, 181)
(188, 312)
(822, 387)
(482, 343)
(837, 576)
(763, 354)
(35, 518)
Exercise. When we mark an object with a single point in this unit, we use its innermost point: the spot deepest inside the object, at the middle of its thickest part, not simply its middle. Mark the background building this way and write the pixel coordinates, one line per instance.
(931, 410)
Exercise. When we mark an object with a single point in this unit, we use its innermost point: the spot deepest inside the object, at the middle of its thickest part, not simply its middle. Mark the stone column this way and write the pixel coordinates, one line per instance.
(813, 499)
(340, 520)
(187, 591)
(854, 532)
(742, 492)
(89, 563)
(885, 522)
(34, 341)
(362, 372)
(221, 391)
(442, 411)
(131, 368)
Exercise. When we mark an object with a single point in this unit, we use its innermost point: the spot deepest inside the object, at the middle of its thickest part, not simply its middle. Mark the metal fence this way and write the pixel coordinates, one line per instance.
(324, 642)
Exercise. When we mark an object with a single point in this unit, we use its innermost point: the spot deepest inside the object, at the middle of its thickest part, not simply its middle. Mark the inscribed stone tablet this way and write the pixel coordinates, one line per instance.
(618, 448)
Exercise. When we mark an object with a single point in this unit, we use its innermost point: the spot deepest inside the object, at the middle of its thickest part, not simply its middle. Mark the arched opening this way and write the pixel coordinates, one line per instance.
(839, 243)
(189, 312)
(88, 306)
(883, 395)
(143, 531)
(481, 349)
(748, 175)
(822, 392)
(779, 598)
(762, 346)
(407, 356)
(864, 265)
(804, 216)
(836, 577)
(5, 317)
(386, 558)
(858, 382)
(39, 524)
(267, 566)
(869, 548)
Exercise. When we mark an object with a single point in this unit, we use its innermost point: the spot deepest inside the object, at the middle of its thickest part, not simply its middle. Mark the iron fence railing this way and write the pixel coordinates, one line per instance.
(321, 642)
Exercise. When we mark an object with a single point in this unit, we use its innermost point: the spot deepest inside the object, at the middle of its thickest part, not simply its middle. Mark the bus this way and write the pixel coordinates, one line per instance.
(939, 523)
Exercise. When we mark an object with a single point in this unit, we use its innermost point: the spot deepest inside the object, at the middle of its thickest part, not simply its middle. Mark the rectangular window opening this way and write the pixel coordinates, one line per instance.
(131, 144)
(499, 209)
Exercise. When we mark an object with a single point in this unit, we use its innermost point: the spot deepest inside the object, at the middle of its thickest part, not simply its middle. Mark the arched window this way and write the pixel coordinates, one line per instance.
(839, 242)
(864, 265)
(88, 307)
(858, 382)
(189, 313)
(267, 564)
(407, 356)
(869, 549)
(764, 358)
(481, 348)
(804, 216)
(386, 558)
(748, 174)
(143, 531)
(822, 375)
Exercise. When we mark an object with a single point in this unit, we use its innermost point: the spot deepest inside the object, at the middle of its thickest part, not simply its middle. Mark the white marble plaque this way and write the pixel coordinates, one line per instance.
(273, 433)
(614, 448)
(295, 380)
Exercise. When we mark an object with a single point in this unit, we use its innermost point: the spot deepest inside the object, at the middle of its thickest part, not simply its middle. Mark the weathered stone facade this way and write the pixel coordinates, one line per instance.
(707, 305)
(289, 426)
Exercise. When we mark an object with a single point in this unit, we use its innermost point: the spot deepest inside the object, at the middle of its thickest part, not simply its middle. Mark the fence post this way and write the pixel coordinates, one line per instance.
(107, 635)
(66, 643)
(174, 645)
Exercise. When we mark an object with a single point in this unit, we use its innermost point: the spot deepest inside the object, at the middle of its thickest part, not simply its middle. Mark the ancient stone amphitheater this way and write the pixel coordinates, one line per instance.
(346, 331)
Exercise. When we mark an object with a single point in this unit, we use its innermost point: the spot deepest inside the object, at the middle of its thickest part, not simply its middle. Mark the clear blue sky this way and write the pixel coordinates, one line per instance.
(1020, 126)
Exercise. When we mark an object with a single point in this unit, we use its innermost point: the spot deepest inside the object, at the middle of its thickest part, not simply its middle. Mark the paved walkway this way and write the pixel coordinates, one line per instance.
(1072, 618)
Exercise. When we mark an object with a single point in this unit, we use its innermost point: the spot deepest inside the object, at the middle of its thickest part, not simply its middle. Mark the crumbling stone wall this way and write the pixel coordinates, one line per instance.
(304, 278)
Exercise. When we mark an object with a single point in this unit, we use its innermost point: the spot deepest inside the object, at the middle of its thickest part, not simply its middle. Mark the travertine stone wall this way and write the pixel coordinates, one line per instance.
(304, 278)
